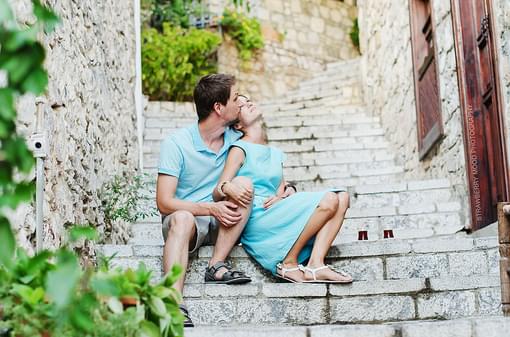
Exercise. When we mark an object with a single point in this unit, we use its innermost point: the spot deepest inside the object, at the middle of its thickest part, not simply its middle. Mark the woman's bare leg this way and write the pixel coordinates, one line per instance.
(323, 241)
(327, 208)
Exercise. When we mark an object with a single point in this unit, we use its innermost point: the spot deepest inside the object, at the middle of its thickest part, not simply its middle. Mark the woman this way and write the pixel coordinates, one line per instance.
(285, 229)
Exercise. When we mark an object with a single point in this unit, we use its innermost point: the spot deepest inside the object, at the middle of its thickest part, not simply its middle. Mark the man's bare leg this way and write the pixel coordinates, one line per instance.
(181, 234)
(228, 236)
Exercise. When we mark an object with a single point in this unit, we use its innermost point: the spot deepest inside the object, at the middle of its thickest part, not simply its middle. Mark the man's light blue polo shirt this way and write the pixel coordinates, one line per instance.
(197, 168)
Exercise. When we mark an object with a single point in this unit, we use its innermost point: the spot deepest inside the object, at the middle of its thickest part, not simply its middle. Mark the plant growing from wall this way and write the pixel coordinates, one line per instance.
(174, 60)
(246, 32)
(125, 198)
(354, 34)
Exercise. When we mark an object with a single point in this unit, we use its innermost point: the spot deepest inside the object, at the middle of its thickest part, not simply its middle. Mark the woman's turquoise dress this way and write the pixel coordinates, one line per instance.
(270, 233)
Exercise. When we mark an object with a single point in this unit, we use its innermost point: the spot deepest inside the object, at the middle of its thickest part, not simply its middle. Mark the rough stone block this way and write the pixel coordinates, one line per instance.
(353, 331)
(468, 263)
(360, 249)
(493, 258)
(416, 209)
(416, 266)
(224, 290)
(372, 309)
(293, 290)
(381, 188)
(148, 250)
(463, 283)
(117, 250)
(370, 212)
(489, 301)
(377, 287)
(427, 329)
(446, 244)
(361, 269)
(212, 312)
(243, 331)
(446, 305)
(428, 184)
(492, 327)
(282, 311)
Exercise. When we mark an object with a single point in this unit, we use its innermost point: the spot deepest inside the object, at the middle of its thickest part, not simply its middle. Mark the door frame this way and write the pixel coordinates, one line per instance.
(457, 36)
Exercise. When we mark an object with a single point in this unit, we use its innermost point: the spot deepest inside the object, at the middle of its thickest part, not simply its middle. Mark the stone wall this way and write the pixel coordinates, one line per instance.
(301, 36)
(90, 115)
(389, 88)
(502, 14)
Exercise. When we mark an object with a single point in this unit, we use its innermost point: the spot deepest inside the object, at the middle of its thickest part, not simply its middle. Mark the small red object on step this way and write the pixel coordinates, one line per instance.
(388, 233)
(362, 235)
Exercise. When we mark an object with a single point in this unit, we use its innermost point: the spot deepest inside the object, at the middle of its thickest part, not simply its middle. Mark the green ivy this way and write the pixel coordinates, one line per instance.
(245, 32)
(354, 34)
(174, 60)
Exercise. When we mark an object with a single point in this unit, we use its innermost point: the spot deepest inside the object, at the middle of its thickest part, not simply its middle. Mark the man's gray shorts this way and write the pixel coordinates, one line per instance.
(206, 231)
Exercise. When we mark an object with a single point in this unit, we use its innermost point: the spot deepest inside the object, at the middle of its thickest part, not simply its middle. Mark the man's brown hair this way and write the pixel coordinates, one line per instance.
(211, 89)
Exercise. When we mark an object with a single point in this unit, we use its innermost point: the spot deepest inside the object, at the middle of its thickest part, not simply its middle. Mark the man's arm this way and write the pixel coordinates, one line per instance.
(167, 203)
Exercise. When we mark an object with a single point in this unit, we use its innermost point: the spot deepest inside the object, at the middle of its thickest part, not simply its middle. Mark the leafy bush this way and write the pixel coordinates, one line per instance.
(174, 60)
(125, 198)
(50, 294)
(175, 12)
(354, 34)
(245, 31)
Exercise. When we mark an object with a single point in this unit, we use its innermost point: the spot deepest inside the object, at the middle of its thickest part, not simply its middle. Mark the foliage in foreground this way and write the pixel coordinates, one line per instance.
(50, 294)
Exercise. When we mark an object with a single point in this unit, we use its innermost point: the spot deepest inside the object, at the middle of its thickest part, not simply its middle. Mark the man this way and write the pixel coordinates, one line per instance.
(191, 161)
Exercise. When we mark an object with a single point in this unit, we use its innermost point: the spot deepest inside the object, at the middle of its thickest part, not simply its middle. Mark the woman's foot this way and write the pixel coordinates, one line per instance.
(290, 272)
(324, 274)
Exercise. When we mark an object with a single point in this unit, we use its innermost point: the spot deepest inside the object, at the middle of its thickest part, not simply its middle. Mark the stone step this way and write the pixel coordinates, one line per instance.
(337, 77)
(311, 110)
(305, 145)
(321, 91)
(320, 131)
(438, 257)
(468, 327)
(315, 103)
(345, 171)
(440, 278)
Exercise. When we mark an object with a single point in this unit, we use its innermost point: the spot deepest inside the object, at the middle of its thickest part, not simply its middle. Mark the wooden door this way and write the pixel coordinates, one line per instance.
(481, 107)
(426, 84)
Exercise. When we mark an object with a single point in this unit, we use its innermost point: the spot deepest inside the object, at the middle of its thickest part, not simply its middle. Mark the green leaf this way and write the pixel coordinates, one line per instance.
(17, 38)
(36, 81)
(105, 286)
(46, 16)
(78, 232)
(5, 11)
(7, 244)
(173, 275)
(7, 110)
(148, 329)
(19, 63)
(61, 282)
(115, 305)
(29, 295)
(157, 306)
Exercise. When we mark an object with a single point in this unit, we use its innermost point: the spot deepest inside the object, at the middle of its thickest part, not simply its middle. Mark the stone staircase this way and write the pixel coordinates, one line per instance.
(429, 271)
